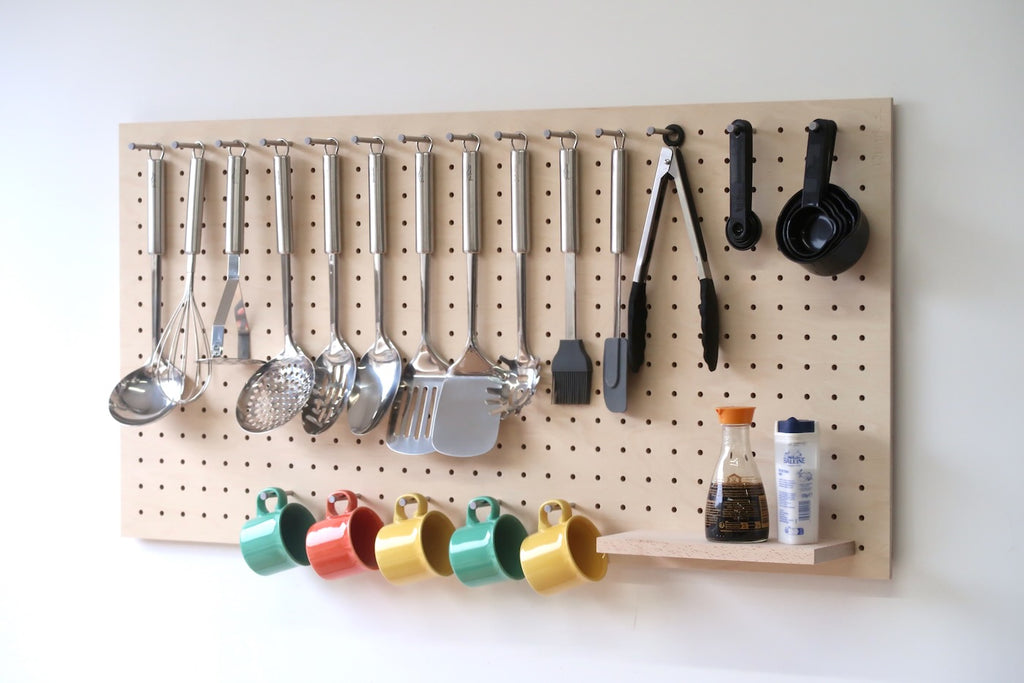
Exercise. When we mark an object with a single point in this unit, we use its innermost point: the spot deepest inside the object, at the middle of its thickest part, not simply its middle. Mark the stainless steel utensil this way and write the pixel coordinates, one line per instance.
(335, 367)
(280, 387)
(464, 425)
(524, 368)
(184, 347)
(138, 398)
(232, 303)
(616, 348)
(379, 371)
(410, 425)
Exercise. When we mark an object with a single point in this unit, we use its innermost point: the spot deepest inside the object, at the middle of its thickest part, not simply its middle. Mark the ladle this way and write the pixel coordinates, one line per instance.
(379, 371)
(138, 398)
(282, 385)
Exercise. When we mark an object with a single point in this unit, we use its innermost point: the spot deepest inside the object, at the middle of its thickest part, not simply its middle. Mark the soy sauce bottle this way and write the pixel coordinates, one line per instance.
(737, 508)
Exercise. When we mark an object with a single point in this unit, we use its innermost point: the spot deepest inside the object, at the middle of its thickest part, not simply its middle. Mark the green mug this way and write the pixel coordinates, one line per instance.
(487, 551)
(275, 540)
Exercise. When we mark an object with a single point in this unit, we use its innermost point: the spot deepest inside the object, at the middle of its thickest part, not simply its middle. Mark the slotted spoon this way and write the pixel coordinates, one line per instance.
(282, 385)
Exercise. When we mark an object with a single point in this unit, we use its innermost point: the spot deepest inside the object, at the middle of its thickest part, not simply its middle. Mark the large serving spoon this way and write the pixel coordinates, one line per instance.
(140, 397)
(379, 371)
(335, 367)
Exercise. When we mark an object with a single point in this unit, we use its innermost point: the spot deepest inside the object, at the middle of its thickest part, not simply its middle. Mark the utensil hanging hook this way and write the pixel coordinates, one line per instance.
(562, 135)
(326, 142)
(418, 139)
(229, 144)
(156, 146)
(277, 142)
(371, 141)
(194, 146)
(618, 136)
(472, 137)
(518, 135)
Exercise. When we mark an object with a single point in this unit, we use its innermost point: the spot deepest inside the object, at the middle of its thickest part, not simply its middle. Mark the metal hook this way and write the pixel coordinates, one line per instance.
(618, 136)
(233, 143)
(403, 501)
(418, 139)
(156, 146)
(371, 141)
(549, 508)
(475, 504)
(562, 135)
(192, 146)
(326, 142)
(518, 135)
(671, 134)
(277, 142)
(264, 495)
(472, 137)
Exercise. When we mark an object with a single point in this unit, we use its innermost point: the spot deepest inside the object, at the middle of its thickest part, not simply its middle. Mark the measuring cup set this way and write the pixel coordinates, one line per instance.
(422, 543)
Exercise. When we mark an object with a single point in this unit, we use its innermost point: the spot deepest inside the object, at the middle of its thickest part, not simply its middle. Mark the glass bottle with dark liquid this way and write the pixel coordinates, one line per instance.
(737, 508)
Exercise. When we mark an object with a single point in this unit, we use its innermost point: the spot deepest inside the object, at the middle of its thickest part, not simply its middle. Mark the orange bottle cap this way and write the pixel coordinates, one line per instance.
(735, 415)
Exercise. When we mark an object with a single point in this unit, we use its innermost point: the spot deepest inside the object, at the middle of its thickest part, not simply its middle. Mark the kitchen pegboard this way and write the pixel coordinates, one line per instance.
(791, 344)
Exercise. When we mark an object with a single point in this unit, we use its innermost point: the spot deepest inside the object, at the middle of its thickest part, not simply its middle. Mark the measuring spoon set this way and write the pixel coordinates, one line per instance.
(427, 404)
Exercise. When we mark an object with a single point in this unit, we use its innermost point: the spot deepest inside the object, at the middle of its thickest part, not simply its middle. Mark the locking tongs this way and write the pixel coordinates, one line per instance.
(670, 168)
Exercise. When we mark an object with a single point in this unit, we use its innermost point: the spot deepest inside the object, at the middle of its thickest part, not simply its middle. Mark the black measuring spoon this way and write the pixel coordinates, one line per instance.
(743, 228)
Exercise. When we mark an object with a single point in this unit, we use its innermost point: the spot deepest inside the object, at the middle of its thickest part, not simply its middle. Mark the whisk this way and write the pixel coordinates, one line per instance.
(184, 346)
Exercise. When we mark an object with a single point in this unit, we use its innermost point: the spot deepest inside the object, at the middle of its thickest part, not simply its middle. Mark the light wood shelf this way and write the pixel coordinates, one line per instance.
(689, 546)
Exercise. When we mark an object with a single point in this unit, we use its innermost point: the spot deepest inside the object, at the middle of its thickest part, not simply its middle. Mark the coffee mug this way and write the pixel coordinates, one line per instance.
(488, 551)
(563, 555)
(342, 543)
(273, 541)
(414, 548)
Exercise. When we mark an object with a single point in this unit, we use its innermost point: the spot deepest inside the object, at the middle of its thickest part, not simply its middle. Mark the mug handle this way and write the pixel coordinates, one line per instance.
(476, 503)
(421, 506)
(542, 514)
(262, 496)
(341, 494)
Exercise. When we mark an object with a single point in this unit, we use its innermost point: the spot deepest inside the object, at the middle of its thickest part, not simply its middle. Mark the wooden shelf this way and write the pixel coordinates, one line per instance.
(692, 547)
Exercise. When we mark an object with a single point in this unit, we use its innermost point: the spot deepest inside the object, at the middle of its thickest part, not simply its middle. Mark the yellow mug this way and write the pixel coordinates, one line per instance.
(414, 548)
(563, 555)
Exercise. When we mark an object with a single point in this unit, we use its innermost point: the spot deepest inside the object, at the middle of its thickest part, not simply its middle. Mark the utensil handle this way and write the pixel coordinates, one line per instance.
(283, 187)
(332, 207)
(709, 322)
(821, 144)
(636, 325)
(424, 197)
(741, 169)
(618, 207)
(569, 191)
(470, 202)
(194, 208)
(234, 220)
(375, 173)
(155, 196)
(520, 169)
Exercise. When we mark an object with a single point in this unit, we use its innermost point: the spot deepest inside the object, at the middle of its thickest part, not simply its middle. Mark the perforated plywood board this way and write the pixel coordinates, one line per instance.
(792, 343)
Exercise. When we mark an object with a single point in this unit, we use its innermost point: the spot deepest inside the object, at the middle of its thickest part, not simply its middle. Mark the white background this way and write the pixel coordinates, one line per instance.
(78, 600)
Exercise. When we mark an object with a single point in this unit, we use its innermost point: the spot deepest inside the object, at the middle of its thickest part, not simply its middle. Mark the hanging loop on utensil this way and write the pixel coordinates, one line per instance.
(277, 142)
(672, 134)
(154, 147)
(326, 142)
(419, 140)
(371, 141)
(743, 227)
(518, 135)
(197, 147)
(472, 137)
(618, 136)
(229, 144)
(562, 136)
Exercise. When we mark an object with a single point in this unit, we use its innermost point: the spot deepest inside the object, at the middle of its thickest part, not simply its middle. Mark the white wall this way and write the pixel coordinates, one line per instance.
(78, 600)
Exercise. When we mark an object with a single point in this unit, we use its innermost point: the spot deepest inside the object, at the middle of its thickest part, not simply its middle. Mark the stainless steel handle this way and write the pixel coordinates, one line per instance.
(424, 194)
(155, 195)
(520, 168)
(470, 202)
(618, 208)
(194, 208)
(283, 187)
(375, 172)
(235, 216)
(569, 189)
(332, 208)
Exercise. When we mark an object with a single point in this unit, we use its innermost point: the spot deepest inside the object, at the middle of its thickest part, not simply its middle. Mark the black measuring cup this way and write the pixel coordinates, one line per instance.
(821, 227)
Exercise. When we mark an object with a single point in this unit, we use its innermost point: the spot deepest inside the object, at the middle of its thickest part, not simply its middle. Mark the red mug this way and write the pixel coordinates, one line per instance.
(342, 544)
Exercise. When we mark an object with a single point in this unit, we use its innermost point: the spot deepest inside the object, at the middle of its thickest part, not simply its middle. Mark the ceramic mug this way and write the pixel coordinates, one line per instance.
(487, 551)
(414, 548)
(342, 543)
(562, 555)
(275, 540)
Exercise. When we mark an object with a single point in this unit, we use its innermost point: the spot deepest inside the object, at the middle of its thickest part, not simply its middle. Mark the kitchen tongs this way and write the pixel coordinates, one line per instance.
(670, 168)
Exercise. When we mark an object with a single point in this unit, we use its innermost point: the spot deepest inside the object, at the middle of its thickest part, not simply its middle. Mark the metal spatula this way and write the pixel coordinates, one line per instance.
(232, 303)
(410, 425)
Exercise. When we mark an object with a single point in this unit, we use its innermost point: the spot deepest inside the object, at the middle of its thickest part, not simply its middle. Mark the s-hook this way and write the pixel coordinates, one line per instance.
(670, 167)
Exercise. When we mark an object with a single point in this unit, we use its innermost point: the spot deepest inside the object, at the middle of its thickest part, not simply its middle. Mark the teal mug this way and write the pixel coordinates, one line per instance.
(275, 540)
(487, 551)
